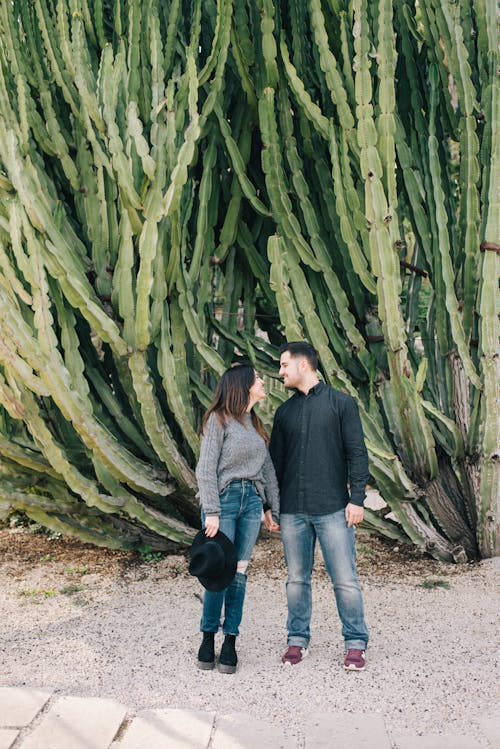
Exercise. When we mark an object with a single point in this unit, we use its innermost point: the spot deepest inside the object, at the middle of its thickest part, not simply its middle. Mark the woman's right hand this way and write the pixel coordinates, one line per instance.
(211, 525)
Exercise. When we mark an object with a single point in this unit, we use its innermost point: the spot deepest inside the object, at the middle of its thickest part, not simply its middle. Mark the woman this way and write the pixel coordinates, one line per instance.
(235, 478)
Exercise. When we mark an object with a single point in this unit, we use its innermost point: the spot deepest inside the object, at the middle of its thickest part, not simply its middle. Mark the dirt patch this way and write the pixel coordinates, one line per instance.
(377, 559)
(21, 549)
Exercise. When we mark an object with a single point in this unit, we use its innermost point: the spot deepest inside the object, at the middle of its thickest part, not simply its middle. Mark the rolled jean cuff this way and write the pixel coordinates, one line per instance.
(355, 644)
(302, 642)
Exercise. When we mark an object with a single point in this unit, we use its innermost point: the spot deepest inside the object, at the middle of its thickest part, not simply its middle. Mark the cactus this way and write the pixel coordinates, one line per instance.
(183, 185)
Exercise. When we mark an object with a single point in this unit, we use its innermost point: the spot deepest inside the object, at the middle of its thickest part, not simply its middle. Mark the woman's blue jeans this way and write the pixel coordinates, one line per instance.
(241, 512)
(299, 533)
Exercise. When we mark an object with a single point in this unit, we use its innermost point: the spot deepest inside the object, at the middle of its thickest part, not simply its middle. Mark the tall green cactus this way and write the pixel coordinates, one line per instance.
(183, 184)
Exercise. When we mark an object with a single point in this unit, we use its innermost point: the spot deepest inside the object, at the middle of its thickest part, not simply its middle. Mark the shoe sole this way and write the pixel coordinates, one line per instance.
(354, 668)
(224, 668)
(205, 666)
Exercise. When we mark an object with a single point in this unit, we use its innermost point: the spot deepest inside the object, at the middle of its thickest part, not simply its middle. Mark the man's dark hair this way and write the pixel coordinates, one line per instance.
(301, 348)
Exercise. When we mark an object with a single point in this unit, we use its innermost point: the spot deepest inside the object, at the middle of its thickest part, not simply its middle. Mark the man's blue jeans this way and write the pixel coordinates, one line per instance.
(241, 511)
(299, 533)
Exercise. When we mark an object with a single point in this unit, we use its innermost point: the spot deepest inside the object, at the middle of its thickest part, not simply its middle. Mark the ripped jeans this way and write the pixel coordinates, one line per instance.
(241, 512)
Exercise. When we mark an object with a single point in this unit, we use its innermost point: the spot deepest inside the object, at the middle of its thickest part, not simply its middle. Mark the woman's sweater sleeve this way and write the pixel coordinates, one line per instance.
(206, 470)
(272, 490)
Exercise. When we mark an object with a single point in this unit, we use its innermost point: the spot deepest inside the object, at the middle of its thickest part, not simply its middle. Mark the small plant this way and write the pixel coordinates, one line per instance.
(432, 584)
(19, 520)
(364, 549)
(147, 554)
(52, 535)
(37, 594)
(80, 601)
(48, 558)
(34, 528)
(69, 590)
(72, 571)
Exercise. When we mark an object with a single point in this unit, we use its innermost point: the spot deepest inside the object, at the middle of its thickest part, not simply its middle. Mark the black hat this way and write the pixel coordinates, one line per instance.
(213, 560)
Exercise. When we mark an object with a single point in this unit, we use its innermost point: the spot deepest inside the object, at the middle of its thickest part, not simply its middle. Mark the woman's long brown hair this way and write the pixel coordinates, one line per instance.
(231, 398)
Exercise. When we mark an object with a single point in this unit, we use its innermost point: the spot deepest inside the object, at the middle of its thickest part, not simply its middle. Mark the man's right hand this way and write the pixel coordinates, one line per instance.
(211, 525)
(353, 514)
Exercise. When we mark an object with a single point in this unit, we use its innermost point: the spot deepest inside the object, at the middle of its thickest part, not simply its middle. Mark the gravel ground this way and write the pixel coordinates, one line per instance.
(92, 622)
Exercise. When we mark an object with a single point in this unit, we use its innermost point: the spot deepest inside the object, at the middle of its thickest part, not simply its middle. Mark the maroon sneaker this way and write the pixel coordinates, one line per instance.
(295, 654)
(355, 660)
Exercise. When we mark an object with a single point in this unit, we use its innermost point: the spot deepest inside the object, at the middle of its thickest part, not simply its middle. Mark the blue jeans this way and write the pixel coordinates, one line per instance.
(299, 533)
(241, 511)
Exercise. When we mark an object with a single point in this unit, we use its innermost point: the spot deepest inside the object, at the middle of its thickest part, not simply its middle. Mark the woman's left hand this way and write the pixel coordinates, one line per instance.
(270, 524)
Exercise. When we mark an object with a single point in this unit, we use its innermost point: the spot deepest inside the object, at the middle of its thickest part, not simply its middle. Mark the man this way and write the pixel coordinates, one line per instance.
(317, 447)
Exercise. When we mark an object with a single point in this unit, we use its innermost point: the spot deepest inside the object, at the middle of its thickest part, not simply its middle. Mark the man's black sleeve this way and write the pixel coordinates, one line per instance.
(355, 451)
(277, 448)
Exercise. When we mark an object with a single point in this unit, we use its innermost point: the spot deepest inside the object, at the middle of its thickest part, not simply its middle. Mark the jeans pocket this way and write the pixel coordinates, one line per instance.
(230, 495)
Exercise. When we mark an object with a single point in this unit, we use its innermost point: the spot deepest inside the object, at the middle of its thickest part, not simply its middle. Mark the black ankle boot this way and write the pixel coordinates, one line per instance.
(206, 653)
(228, 658)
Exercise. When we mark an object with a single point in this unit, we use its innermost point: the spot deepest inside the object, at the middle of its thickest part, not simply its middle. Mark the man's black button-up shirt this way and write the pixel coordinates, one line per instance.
(318, 448)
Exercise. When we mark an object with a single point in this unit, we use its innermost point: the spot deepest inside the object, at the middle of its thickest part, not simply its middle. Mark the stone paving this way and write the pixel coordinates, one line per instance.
(42, 719)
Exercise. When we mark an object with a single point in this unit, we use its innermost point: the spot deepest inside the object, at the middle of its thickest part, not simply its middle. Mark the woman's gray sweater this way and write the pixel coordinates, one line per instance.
(236, 451)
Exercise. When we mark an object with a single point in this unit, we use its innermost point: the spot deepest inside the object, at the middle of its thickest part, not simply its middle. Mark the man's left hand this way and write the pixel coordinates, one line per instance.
(270, 523)
(353, 514)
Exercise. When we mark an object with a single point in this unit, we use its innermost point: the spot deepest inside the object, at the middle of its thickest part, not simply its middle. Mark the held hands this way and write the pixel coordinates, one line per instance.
(211, 525)
(353, 514)
(270, 524)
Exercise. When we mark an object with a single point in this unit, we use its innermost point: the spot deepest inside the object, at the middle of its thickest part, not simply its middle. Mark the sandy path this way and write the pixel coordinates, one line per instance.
(130, 632)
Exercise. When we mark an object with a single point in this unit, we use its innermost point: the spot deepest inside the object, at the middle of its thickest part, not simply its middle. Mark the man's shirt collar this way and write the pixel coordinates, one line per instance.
(315, 390)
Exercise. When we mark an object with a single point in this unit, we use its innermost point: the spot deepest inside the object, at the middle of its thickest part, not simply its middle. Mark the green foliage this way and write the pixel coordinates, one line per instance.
(148, 555)
(71, 589)
(433, 584)
(72, 571)
(37, 595)
(183, 185)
